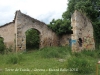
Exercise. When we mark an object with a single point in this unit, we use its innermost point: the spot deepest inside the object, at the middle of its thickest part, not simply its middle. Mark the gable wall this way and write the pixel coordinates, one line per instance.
(24, 22)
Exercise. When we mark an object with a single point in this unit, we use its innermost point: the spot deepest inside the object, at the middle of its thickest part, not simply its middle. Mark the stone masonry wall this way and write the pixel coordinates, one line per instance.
(65, 40)
(8, 33)
(82, 37)
(24, 22)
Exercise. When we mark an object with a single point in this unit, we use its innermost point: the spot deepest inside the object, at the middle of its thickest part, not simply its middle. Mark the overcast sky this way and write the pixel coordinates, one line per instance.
(43, 10)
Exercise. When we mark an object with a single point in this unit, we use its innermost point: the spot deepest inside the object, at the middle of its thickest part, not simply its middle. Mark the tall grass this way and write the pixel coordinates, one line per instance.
(88, 53)
(84, 65)
(84, 61)
(13, 58)
(54, 52)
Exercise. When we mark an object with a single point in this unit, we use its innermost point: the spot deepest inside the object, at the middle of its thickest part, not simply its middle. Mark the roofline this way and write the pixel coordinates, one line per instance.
(23, 14)
(7, 24)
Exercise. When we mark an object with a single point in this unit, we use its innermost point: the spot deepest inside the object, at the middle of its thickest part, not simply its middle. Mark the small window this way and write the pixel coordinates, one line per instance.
(80, 42)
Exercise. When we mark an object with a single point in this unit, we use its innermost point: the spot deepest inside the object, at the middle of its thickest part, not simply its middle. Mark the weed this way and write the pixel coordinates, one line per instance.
(14, 58)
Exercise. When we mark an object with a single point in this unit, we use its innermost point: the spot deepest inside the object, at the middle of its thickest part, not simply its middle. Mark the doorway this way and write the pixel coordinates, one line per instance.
(32, 39)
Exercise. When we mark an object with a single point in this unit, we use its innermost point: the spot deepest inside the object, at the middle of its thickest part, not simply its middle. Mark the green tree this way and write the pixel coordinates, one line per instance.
(60, 26)
(32, 39)
(92, 9)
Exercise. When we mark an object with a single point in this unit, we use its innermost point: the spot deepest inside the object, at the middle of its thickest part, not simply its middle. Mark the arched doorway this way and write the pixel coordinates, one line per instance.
(32, 39)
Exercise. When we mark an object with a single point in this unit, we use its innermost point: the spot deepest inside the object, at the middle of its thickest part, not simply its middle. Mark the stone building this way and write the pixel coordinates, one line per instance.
(14, 33)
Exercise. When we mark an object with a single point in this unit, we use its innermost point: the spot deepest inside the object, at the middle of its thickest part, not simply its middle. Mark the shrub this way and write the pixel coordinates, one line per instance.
(2, 46)
(84, 65)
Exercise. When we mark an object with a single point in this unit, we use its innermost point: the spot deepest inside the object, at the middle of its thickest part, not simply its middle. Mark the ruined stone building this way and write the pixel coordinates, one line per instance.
(82, 37)
(14, 33)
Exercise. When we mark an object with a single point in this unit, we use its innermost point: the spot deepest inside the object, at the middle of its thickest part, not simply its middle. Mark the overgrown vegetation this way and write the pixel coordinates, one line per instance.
(61, 26)
(83, 63)
(54, 52)
(13, 58)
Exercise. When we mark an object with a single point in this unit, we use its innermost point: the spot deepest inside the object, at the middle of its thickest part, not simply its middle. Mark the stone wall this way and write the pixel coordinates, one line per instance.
(82, 37)
(7, 32)
(65, 40)
(24, 22)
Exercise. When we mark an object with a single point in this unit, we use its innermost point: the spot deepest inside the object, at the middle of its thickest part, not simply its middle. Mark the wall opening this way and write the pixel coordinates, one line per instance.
(32, 39)
(80, 42)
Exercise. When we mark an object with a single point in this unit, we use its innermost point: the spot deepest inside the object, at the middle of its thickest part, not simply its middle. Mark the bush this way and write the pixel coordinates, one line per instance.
(84, 65)
(2, 46)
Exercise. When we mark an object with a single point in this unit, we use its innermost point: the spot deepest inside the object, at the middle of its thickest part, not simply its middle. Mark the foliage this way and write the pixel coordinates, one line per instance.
(60, 26)
(32, 39)
(83, 65)
(2, 46)
(90, 7)
(84, 61)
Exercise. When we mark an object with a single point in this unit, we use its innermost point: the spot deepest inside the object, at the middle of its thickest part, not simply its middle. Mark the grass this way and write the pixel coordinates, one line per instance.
(50, 61)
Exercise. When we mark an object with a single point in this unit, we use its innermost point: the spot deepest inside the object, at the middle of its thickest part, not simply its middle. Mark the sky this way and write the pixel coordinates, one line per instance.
(43, 10)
